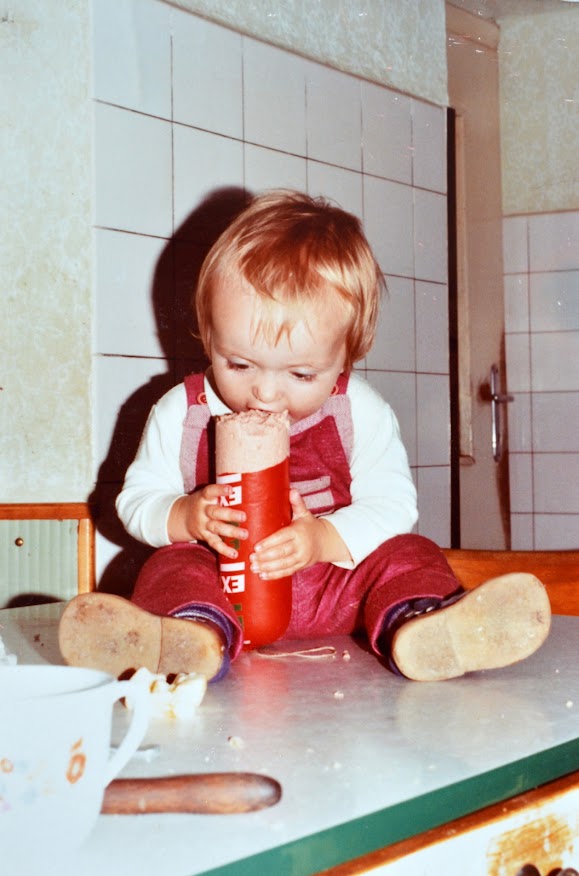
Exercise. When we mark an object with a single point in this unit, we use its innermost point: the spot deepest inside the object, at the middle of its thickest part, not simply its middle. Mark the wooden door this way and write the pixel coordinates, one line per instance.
(474, 98)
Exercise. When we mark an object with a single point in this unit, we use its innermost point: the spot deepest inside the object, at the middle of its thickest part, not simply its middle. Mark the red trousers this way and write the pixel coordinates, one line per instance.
(326, 600)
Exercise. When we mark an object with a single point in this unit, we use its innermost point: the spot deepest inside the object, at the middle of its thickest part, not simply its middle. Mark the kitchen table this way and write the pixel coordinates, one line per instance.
(365, 759)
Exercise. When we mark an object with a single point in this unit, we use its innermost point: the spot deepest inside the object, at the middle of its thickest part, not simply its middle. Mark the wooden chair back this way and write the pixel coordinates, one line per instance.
(78, 512)
(558, 570)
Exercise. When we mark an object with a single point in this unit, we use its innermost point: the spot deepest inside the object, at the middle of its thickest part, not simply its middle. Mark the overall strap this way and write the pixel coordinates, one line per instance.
(320, 453)
(195, 388)
(341, 386)
(196, 449)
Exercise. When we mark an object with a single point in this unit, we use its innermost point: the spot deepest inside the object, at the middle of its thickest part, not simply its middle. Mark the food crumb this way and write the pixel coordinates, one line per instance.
(177, 698)
(236, 742)
(569, 704)
(346, 656)
(338, 695)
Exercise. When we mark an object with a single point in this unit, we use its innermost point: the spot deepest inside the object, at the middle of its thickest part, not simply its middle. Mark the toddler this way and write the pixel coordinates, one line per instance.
(287, 303)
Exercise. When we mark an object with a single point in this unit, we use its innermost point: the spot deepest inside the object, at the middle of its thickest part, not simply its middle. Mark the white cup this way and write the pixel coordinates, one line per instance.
(55, 762)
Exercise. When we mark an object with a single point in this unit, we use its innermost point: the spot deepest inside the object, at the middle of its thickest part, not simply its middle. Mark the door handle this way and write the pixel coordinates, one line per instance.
(497, 399)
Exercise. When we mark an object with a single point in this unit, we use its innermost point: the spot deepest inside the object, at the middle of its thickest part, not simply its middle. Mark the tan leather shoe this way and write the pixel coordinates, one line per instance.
(498, 623)
(107, 632)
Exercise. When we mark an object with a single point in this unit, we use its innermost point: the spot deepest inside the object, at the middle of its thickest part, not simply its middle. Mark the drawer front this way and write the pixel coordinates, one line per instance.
(38, 557)
(538, 840)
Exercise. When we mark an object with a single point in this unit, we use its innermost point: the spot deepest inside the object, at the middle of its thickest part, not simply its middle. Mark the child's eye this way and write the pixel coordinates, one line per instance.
(237, 366)
(303, 377)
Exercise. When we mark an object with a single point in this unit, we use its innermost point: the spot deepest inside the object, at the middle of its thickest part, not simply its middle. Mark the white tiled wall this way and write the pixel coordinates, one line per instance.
(184, 109)
(541, 257)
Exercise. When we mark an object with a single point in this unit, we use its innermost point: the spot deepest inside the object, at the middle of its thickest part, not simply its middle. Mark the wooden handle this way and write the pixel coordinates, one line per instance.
(203, 794)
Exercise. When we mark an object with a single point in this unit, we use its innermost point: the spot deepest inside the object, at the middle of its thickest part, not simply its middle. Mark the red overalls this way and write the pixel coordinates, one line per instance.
(326, 600)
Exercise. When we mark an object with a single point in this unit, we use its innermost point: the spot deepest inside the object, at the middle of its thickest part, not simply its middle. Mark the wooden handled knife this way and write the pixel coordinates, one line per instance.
(203, 794)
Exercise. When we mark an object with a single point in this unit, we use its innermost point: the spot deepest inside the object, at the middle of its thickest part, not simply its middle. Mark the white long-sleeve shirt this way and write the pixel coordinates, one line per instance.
(382, 490)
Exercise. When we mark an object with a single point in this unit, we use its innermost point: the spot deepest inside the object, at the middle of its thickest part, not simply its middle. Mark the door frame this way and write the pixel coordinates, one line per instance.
(480, 513)
(453, 330)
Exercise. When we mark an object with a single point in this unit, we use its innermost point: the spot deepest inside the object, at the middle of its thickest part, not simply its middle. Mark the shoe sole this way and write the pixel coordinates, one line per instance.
(498, 623)
(103, 631)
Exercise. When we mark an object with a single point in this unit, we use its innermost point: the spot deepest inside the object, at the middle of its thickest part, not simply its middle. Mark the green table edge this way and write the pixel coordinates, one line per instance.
(344, 842)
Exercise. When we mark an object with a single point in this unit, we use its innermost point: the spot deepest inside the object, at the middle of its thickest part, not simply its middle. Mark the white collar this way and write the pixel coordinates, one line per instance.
(216, 406)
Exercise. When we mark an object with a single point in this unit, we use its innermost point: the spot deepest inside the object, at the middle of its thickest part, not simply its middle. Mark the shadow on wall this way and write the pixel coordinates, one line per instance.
(174, 284)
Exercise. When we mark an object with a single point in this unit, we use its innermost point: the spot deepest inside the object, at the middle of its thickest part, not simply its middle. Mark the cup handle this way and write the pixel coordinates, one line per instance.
(140, 705)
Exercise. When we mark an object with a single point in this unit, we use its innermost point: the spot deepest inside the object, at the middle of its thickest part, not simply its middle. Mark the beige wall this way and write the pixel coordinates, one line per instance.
(395, 42)
(45, 261)
(539, 59)
(46, 449)
(46, 181)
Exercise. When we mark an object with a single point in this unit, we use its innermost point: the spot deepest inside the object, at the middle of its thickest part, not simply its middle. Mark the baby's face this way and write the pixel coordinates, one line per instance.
(296, 373)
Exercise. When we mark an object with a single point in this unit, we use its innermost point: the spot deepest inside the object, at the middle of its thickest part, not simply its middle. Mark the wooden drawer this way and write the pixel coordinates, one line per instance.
(539, 828)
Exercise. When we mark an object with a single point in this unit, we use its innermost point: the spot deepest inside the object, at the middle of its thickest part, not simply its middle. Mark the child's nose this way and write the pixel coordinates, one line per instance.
(265, 388)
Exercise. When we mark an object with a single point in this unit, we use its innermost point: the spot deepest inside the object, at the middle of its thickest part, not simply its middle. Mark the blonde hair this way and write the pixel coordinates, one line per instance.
(294, 251)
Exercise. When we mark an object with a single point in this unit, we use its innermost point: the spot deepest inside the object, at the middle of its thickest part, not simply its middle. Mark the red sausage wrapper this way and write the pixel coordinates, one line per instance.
(252, 455)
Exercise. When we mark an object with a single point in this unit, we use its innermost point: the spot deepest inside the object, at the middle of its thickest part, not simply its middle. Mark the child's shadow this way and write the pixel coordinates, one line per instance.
(173, 289)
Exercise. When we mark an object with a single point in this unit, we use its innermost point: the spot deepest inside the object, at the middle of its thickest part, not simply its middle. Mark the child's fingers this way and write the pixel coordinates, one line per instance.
(221, 547)
(215, 534)
(282, 568)
(214, 498)
(217, 493)
(227, 530)
(269, 542)
(278, 556)
(225, 515)
(225, 523)
(275, 540)
(298, 505)
(281, 554)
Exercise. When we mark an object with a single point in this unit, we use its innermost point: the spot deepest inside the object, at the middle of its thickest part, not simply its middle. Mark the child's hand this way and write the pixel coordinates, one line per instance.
(201, 517)
(307, 540)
